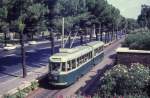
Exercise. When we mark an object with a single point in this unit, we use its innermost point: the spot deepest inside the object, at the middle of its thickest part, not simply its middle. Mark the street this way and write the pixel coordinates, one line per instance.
(36, 57)
(84, 85)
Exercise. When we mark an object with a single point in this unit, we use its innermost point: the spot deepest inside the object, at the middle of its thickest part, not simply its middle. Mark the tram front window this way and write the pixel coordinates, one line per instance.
(56, 66)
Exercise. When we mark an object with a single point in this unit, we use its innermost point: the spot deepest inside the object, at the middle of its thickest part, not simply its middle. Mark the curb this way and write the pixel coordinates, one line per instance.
(15, 90)
(25, 84)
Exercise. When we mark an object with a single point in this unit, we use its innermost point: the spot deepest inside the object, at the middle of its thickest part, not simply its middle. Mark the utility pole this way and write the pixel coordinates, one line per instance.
(81, 36)
(99, 31)
(63, 30)
(108, 36)
(69, 39)
(81, 40)
(52, 42)
(105, 36)
(90, 36)
(96, 33)
(101, 35)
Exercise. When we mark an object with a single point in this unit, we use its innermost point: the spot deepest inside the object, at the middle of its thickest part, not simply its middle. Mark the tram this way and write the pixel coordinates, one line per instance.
(70, 64)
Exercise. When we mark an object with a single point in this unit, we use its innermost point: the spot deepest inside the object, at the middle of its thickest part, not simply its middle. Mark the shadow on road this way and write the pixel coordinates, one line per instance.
(44, 83)
(13, 75)
(92, 85)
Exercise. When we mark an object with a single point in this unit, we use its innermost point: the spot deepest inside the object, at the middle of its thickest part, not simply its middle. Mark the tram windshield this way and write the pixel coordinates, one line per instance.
(56, 66)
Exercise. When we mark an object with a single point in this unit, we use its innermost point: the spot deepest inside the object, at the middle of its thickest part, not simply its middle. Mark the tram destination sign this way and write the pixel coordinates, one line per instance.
(56, 59)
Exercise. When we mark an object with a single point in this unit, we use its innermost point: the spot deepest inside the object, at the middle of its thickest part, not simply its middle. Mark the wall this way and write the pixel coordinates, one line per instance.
(127, 57)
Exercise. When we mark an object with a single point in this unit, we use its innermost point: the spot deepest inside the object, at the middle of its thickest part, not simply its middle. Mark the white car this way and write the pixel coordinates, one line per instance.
(10, 47)
(32, 42)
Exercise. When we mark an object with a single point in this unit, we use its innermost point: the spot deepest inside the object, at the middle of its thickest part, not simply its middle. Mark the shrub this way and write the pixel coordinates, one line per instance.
(121, 80)
(27, 89)
(138, 41)
(24, 92)
(34, 85)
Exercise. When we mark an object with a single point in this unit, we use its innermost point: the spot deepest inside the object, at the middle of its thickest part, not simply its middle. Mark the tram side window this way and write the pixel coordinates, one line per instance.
(86, 57)
(95, 51)
(73, 64)
(101, 49)
(64, 66)
(78, 61)
(90, 55)
(98, 50)
(82, 59)
(69, 65)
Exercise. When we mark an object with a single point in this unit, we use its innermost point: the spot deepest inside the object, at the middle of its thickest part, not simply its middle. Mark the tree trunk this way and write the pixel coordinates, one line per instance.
(52, 43)
(111, 36)
(23, 55)
(69, 41)
(105, 37)
(90, 37)
(108, 39)
(96, 36)
(117, 35)
(81, 40)
(101, 36)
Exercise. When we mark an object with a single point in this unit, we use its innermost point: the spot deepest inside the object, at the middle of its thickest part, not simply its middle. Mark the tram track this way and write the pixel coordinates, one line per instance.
(84, 84)
(44, 93)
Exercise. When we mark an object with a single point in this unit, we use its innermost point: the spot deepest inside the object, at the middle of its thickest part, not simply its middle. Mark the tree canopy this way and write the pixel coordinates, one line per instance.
(144, 17)
(42, 15)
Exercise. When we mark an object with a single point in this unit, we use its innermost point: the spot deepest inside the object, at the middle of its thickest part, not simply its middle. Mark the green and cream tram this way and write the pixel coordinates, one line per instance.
(70, 64)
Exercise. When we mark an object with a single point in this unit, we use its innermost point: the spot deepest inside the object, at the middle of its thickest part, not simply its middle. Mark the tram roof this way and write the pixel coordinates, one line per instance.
(95, 44)
(71, 53)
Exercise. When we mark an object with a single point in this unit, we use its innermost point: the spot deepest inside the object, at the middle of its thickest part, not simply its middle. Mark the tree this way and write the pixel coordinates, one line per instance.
(21, 27)
(132, 24)
(4, 24)
(34, 18)
(144, 17)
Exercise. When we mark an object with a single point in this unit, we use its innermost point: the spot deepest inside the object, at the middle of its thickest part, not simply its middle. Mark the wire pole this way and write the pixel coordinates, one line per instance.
(62, 32)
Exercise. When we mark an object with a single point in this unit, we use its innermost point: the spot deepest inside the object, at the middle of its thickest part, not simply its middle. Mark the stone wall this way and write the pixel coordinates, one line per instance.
(133, 56)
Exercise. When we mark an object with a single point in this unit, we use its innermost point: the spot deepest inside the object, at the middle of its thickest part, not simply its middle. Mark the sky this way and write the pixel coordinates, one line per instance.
(129, 8)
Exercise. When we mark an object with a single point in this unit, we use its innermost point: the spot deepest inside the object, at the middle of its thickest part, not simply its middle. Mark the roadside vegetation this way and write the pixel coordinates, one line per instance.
(22, 93)
(128, 82)
(138, 41)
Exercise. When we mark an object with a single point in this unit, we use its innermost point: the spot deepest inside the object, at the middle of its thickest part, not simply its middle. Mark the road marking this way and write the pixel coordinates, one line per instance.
(28, 69)
(31, 51)
(9, 55)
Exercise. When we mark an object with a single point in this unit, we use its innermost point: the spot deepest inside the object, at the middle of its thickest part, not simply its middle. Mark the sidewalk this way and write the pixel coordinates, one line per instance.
(11, 86)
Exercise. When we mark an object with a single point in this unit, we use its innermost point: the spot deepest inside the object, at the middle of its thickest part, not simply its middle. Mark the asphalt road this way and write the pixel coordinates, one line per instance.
(84, 85)
(36, 57)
